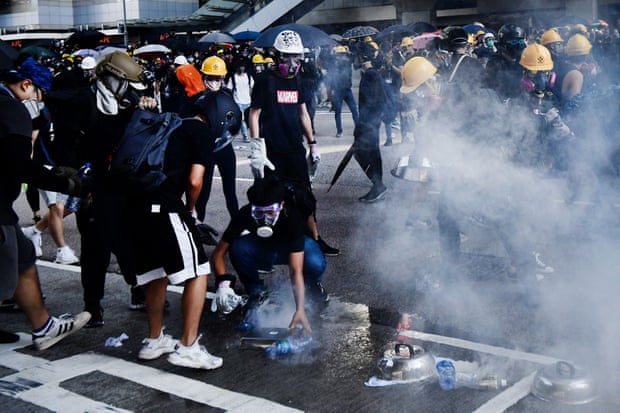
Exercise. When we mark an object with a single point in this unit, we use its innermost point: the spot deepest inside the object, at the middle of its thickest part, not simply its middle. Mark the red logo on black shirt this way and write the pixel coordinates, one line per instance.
(288, 96)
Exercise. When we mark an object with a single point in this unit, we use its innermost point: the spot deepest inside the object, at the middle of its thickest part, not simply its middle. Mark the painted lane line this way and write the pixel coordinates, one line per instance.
(65, 267)
(480, 347)
(508, 397)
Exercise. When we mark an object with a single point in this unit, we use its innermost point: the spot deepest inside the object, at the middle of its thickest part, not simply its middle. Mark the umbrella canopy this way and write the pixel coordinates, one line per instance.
(359, 31)
(150, 51)
(86, 52)
(422, 27)
(110, 49)
(246, 35)
(38, 51)
(393, 33)
(310, 36)
(217, 37)
(420, 42)
(474, 28)
(86, 38)
(7, 55)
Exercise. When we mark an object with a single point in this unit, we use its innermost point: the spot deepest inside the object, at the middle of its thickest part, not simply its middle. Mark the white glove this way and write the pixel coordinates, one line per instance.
(314, 153)
(225, 299)
(258, 157)
(147, 103)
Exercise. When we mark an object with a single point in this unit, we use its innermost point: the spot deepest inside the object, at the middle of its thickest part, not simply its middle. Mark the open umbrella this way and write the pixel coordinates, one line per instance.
(38, 51)
(359, 31)
(150, 51)
(393, 33)
(86, 52)
(7, 55)
(86, 38)
(422, 27)
(217, 37)
(419, 42)
(246, 35)
(110, 49)
(310, 36)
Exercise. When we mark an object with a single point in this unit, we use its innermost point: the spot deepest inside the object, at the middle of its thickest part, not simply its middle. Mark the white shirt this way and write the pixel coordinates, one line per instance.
(242, 93)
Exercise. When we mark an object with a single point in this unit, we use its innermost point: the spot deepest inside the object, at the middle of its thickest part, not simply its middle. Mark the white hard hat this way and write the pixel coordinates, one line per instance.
(180, 60)
(288, 41)
(88, 63)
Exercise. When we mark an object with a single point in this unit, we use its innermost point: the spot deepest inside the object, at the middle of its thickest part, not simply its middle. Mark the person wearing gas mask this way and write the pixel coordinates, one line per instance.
(21, 101)
(485, 47)
(276, 229)
(503, 73)
(164, 234)
(98, 120)
(214, 70)
(278, 121)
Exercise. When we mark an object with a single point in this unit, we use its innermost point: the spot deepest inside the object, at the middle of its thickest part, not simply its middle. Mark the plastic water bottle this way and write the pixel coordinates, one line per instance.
(476, 381)
(291, 345)
(447, 374)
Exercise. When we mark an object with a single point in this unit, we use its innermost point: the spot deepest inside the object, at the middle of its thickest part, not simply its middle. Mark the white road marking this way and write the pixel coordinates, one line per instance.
(37, 381)
(49, 264)
(508, 397)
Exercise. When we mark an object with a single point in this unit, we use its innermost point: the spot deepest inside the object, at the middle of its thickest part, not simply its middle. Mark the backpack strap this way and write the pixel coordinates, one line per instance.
(456, 68)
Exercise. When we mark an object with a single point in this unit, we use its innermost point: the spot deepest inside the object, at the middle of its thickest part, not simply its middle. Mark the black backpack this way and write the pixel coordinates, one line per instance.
(138, 158)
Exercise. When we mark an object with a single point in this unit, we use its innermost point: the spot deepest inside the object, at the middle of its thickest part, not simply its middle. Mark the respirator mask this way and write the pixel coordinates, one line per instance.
(266, 217)
(537, 82)
(289, 65)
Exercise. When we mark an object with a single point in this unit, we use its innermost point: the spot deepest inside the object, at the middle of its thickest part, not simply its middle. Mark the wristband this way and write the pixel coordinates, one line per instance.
(312, 143)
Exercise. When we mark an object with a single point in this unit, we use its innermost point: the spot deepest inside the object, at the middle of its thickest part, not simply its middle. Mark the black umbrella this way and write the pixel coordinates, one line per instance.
(422, 27)
(217, 37)
(393, 33)
(7, 55)
(87, 39)
(310, 36)
(246, 35)
(343, 164)
(359, 31)
(38, 51)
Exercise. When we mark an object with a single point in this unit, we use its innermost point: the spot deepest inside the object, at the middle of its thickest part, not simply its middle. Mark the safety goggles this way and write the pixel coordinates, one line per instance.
(269, 211)
(516, 42)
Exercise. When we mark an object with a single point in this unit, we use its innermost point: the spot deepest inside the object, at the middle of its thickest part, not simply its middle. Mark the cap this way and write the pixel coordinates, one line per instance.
(36, 72)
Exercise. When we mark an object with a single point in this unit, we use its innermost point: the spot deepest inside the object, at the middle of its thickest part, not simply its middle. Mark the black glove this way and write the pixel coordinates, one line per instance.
(76, 186)
(206, 234)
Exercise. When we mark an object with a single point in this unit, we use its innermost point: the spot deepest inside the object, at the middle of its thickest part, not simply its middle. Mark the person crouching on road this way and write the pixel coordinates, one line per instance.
(165, 236)
(276, 236)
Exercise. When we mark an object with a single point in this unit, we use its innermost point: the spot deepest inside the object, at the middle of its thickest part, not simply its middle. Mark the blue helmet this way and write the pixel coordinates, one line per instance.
(38, 73)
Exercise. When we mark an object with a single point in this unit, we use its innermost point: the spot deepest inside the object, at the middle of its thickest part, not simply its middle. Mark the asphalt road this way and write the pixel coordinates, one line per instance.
(389, 265)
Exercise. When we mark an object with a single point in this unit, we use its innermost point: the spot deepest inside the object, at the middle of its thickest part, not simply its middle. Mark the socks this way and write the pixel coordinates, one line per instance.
(43, 330)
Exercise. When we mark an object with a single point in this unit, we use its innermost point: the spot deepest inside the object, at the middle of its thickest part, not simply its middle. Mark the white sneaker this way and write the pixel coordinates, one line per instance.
(155, 347)
(541, 267)
(194, 356)
(34, 235)
(65, 255)
(62, 326)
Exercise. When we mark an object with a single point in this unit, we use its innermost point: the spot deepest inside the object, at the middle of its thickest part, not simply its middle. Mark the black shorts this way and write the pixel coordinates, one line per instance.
(165, 246)
(16, 256)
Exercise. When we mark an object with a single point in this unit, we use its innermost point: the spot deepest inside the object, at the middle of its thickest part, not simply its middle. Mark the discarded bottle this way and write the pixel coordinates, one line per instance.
(476, 381)
(447, 374)
(291, 345)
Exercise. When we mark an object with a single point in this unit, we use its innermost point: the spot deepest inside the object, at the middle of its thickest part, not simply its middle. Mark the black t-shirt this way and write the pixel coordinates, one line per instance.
(288, 230)
(279, 101)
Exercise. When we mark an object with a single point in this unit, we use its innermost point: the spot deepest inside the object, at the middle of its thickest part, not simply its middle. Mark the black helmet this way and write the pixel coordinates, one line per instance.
(457, 37)
(511, 40)
(223, 114)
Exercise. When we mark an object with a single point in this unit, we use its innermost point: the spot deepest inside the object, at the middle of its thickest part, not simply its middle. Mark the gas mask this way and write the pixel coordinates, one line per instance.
(33, 105)
(266, 217)
(117, 86)
(289, 65)
(537, 82)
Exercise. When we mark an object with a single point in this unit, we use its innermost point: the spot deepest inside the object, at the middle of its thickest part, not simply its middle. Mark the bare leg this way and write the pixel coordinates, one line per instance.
(28, 296)
(56, 224)
(193, 302)
(155, 293)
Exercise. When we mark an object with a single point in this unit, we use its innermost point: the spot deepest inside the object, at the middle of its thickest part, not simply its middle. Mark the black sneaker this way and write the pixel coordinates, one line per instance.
(377, 193)
(327, 250)
(96, 317)
(8, 337)
(317, 293)
(250, 319)
(9, 305)
(138, 300)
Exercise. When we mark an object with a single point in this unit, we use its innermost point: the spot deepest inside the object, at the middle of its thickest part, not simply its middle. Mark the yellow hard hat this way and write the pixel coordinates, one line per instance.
(578, 45)
(368, 39)
(581, 28)
(340, 49)
(551, 36)
(536, 58)
(258, 58)
(406, 41)
(213, 66)
(269, 60)
(374, 45)
(416, 71)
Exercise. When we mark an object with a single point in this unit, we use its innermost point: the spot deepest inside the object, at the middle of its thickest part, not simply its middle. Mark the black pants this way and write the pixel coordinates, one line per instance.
(103, 227)
(227, 165)
(366, 150)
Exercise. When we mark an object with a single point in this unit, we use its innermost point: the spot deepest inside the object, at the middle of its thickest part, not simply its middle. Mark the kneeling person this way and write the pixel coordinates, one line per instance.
(267, 231)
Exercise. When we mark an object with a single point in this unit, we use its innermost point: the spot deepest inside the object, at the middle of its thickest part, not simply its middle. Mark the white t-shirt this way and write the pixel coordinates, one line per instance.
(242, 92)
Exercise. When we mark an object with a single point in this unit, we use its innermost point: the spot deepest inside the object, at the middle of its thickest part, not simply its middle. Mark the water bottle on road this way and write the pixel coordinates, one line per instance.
(291, 345)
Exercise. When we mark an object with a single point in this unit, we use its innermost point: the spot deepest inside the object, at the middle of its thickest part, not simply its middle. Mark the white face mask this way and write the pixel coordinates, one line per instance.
(213, 85)
(33, 106)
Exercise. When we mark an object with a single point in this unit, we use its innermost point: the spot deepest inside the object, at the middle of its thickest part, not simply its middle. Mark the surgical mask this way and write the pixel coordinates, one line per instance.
(289, 65)
(241, 69)
(265, 218)
(213, 85)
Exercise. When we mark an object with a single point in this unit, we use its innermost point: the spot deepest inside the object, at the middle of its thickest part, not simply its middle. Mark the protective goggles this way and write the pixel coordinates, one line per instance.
(269, 211)
(516, 42)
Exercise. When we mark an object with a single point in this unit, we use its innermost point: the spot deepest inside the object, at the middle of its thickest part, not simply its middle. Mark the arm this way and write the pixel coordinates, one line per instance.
(217, 258)
(194, 185)
(306, 123)
(296, 264)
(572, 84)
(253, 122)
